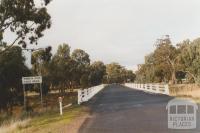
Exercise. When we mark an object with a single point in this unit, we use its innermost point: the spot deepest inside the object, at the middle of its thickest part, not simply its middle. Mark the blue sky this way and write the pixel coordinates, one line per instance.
(123, 31)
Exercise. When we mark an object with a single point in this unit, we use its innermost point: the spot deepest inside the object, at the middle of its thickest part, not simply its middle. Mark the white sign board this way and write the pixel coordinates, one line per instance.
(32, 80)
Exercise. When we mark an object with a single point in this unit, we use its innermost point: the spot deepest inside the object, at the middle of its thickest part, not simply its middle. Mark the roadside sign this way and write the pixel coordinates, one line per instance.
(32, 80)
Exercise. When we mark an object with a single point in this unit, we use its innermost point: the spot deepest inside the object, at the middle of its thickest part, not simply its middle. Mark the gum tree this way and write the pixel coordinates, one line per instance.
(190, 58)
(12, 68)
(24, 20)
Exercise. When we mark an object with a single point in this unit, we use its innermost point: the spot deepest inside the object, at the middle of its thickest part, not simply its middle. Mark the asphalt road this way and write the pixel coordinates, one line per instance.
(118, 109)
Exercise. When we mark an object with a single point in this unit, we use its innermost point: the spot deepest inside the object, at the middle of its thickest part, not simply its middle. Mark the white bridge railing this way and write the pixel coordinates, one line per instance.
(86, 94)
(153, 88)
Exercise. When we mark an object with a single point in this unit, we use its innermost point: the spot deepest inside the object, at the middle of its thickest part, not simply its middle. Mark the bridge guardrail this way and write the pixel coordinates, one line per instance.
(153, 88)
(86, 94)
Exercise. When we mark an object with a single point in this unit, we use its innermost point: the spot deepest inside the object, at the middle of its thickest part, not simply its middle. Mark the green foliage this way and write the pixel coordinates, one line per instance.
(160, 66)
(12, 69)
(169, 63)
(40, 60)
(118, 74)
(190, 58)
(81, 57)
(24, 19)
(62, 67)
(97, 71)
(69, 70)
(82, 64)
(84, 81)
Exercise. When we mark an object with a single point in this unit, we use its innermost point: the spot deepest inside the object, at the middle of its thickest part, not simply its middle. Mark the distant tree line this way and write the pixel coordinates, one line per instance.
(171, 63)
(62, 71)
(69, 70)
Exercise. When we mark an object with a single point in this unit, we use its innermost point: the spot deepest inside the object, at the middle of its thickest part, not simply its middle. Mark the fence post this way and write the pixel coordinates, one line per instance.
(150, 87)
(166, 89)
(86, 94)
(154, 88)
(157, 88)
(79, 96)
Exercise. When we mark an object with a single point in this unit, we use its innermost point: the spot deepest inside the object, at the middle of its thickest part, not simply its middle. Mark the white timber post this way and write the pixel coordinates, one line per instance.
(60, 99)
(166, 89)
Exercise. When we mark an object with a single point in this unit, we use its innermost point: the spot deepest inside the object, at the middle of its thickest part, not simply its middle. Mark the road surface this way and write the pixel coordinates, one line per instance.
(118, 109)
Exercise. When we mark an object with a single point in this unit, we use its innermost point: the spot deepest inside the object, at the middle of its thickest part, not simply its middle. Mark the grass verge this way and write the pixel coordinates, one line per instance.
(49, 122)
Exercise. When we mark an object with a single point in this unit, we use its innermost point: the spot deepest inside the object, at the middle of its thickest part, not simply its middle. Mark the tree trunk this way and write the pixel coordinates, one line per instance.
(174, 80)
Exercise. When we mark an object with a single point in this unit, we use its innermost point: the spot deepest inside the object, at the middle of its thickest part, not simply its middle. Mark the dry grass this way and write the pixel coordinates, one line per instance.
(50, 110)
(32, 93)
(52, 122)
(13, 125)
(48, 122)
(50, 102)
(186, 90)
(189, 90)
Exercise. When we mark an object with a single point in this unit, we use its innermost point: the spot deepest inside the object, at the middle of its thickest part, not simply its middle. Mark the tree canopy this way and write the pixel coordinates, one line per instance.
(171, 63)
(12, 69)
(25, 20)
(118, 74)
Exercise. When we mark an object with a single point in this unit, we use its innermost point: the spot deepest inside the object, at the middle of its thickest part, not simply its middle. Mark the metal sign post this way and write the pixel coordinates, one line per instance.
(24, 96)
(41, 94)
(32, 80)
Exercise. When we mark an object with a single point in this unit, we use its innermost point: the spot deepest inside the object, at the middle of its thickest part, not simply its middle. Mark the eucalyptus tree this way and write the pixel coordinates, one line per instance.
(190, 58)
(25, 20)
(114, 72)
(82, 64)
(146, 72)
(40, 61)
(129, 76)
(161, 65)
(61, 68)
(166, 56)
(12, 69)
(97, 72)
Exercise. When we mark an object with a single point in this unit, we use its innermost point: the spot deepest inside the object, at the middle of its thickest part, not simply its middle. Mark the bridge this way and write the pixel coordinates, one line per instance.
(120, 109)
